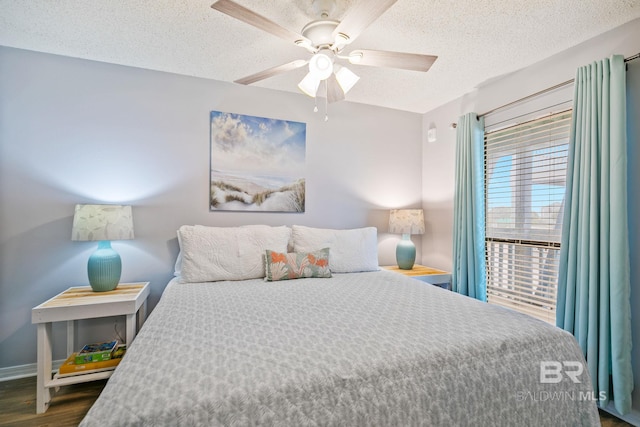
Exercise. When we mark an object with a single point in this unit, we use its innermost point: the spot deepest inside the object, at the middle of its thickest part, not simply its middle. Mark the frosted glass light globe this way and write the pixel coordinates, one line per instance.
(321, 66)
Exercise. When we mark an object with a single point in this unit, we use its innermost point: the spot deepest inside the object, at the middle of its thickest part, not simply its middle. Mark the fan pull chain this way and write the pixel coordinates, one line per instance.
(326, 100)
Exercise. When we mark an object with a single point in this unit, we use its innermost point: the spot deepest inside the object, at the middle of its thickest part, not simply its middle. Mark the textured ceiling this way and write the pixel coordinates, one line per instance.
(475, 41)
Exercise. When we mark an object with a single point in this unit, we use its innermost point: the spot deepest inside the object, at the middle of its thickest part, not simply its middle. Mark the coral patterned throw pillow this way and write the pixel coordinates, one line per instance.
(296, 265)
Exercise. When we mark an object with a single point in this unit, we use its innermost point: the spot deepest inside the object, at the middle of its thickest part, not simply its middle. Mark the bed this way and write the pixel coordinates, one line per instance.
(361, 348)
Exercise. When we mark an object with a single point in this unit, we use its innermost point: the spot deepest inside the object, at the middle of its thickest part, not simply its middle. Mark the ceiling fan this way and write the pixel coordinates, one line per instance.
(325, 39)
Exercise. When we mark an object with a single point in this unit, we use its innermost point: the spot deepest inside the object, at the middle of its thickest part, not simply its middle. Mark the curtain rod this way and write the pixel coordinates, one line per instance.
(543, 91)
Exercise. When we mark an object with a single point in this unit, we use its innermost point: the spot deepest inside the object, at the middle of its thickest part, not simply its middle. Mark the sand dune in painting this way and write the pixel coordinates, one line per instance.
(234, 193)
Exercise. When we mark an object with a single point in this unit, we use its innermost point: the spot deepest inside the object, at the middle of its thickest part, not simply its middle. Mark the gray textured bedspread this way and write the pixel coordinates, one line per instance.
(358, 349)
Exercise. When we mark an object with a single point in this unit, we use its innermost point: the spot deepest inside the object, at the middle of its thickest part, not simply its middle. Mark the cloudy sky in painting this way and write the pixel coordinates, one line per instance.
(256, 145)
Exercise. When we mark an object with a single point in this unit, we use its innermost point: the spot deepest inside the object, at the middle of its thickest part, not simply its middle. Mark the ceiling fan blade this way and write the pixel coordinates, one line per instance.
(381, 58)
(334, 91)
(270, 72)
(361, 16)
(250, 17)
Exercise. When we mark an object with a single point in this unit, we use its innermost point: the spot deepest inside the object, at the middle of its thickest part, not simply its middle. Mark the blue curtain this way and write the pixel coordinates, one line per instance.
(593, 283)
(468, 277)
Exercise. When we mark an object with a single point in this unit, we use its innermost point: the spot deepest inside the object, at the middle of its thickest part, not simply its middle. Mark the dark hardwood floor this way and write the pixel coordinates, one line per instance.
(71, 403)
(67, 408)
(609, 420)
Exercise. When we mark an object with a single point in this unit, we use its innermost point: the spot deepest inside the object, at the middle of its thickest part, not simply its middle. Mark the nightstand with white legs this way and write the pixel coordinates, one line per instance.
(128, 299)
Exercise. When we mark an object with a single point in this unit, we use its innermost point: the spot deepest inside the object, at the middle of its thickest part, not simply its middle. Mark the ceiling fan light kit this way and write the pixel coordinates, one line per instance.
(346, 79)
(309, 85)
(321, 66)
(325, 39)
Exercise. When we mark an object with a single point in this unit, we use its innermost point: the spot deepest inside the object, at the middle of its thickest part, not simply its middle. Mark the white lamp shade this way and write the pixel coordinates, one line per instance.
(321, 66)
(346, 79)
(102, 222)
(406, 221)
(309, 85)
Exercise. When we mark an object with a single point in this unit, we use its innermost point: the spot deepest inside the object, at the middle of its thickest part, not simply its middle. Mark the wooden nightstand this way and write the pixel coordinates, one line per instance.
(429, 275)
(76, 303)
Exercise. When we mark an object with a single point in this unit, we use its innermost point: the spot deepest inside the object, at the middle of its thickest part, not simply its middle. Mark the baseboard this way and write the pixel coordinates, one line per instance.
(632, 417)
(24, 371)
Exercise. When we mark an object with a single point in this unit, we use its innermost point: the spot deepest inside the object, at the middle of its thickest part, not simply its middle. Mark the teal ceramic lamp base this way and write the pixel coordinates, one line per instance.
(405, 253)
(104, 268)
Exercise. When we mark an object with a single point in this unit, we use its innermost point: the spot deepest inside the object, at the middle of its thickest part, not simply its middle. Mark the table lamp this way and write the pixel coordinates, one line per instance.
(103, 223)
(406, 222)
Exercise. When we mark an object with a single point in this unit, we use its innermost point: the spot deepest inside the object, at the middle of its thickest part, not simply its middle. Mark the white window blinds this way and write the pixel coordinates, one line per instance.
(525, 174)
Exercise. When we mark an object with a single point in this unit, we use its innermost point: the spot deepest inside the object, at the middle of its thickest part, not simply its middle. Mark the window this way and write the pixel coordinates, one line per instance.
(525, 175)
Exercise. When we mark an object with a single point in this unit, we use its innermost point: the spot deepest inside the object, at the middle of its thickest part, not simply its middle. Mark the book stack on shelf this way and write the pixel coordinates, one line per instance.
(93, 358)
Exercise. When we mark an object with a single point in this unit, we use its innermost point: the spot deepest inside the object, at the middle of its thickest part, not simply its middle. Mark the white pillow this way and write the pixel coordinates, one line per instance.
(177, 269)
(210, 254)
(351, 250)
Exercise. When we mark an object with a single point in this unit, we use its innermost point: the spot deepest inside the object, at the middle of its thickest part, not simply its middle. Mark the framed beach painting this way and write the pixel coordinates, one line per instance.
(257, 164)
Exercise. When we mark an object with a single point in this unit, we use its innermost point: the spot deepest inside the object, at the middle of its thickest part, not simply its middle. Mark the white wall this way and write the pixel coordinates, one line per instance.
(76, 131)
(439, 157)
